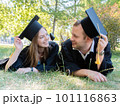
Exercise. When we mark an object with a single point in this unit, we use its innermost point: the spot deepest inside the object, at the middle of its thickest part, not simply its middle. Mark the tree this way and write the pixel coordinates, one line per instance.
(18, 15)
(110, 16)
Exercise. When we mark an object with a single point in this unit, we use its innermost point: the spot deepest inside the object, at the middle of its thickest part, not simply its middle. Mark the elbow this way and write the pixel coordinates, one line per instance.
(6, 67)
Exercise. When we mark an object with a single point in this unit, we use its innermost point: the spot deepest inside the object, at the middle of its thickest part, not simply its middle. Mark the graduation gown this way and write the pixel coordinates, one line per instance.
(74, 61)
(50, 62)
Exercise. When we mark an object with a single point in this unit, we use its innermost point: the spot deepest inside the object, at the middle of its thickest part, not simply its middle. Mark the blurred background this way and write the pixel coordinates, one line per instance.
(57, 16)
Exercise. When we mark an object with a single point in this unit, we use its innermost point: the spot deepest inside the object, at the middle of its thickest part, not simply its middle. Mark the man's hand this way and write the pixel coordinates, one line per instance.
(96, 76)
(103, 43)
(93, 75)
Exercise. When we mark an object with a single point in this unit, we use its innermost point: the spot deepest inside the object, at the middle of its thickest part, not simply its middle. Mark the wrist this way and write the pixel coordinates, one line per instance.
(101, 53)
(18, 50)
(31, 69)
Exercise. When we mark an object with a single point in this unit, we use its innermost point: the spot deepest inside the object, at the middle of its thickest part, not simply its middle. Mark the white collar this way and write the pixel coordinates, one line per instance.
(91, 50)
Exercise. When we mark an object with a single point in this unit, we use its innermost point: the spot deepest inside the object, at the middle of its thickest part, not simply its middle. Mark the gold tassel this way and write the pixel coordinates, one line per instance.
(98, 58)
(10, 55)
(12, 52)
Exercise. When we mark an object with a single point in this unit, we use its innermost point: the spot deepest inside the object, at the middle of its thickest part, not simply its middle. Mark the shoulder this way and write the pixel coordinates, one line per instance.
(53, 45)
(67, 43)
(24, 51)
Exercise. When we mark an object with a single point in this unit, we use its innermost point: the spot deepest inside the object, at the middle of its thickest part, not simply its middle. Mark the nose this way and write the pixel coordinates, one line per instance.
(71, 38)
(47, 37)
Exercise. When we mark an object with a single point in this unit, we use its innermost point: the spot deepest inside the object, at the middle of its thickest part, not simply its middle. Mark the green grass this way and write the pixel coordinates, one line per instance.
(56, 80)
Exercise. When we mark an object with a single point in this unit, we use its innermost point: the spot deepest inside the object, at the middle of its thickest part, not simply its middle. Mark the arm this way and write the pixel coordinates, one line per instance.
(93, 75)
(68, 60)
(18, 45)
(102, 44)
(105, 59)
(26, 70)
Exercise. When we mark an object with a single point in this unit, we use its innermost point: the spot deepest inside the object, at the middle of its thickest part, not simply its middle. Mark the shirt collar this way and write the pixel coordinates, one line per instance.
(91, 50)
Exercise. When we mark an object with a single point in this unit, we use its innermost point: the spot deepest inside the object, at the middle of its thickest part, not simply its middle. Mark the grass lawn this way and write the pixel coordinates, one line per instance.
(56, 80)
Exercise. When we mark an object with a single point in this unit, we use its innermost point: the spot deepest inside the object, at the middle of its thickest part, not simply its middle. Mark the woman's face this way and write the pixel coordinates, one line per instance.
(43, 38)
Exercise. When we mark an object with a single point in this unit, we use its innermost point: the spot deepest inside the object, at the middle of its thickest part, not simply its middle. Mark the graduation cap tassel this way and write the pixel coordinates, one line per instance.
(98, 58)
(12, 52)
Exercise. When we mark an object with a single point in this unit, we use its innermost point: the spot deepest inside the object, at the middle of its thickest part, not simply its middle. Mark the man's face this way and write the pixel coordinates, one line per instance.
(78, 37)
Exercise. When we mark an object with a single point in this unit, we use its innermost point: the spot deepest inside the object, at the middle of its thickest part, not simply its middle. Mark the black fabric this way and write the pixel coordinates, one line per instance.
(50, 63)
(91, 23)
(74, 61)
(3, 63)
(31, 30)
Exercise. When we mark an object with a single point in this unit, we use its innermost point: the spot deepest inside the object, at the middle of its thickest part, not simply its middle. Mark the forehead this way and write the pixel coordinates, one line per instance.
(77, 29)
(42, 31)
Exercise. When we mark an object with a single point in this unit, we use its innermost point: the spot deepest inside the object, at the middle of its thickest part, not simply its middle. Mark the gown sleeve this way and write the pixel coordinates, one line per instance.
(106, 65)
(19, 63)
(68, 60)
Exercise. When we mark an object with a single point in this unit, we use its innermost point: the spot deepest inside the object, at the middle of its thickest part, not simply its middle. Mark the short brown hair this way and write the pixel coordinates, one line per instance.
(78, 22)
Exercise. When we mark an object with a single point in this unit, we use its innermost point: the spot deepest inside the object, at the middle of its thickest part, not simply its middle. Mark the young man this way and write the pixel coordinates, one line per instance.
(81, 51)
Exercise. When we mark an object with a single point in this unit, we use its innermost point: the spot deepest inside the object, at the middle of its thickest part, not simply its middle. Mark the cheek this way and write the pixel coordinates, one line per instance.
(40, 42)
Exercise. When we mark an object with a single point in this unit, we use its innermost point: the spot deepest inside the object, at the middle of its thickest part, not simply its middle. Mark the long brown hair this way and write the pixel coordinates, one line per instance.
(33, 55)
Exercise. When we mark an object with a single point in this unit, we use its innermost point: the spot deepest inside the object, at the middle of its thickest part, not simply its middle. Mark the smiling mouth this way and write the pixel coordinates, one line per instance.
(46, 43)
(73, 43)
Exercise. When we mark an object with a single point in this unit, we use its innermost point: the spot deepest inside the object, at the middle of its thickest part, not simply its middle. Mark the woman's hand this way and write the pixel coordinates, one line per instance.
(26, 70)
(18, 43)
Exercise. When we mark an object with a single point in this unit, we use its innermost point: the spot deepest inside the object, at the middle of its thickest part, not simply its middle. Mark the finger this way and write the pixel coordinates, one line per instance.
(102, 79)
(105, 79)
(19, 39)
(103, 43)
(105, 37)
(98, 79)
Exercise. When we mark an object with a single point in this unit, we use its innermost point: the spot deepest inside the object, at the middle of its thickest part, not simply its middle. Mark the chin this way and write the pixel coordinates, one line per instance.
(73, 46)
(46, 45)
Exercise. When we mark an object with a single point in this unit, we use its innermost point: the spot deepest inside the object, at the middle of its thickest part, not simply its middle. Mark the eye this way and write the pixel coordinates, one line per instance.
(75, 36)
(41, 36)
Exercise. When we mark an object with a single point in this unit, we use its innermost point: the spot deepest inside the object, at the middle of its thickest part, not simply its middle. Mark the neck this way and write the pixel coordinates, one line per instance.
(40, 50)
(86, 48)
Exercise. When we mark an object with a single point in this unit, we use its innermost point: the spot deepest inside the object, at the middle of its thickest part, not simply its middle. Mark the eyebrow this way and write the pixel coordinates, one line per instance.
(74, 35)
(43, 35)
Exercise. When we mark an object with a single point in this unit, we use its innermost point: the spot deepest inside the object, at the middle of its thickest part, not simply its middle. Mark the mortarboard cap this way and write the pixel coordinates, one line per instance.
(52, 36)
(90, 26)
(32, 28)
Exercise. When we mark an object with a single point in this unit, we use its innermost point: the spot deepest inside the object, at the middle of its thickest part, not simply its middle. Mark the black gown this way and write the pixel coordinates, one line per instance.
(74, 61)
(49, 64)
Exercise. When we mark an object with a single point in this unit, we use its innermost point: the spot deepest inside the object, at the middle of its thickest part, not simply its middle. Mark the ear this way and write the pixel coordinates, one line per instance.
(88, 38)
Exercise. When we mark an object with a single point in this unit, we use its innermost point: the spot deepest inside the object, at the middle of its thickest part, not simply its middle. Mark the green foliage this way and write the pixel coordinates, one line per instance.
(15, 17)
(110, 17)
(58, 16)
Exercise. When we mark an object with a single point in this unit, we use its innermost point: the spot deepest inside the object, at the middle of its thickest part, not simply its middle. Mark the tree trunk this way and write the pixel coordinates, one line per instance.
(55, 16)
(75, 8)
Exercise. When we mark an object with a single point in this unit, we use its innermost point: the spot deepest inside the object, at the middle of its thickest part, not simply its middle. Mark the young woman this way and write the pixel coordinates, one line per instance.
(41, 55)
